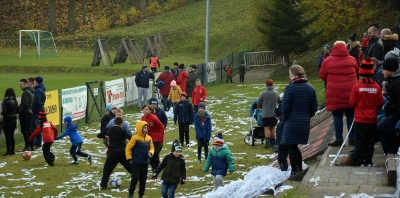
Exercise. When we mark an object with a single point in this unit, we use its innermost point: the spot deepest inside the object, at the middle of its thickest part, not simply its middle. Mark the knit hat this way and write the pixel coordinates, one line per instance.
(39, 79)
(218, 139)
(353, 37)
(183, 94)
(108, 107)
(269, 82)
(327, 47)
(144, 66)
(201, 105)
(153, 101)
(181, 66)
(391, 64)
(393, 54)
(166, 67)
(173, 83)
(42, 115)
(176, 146)
(367, 68)
(67, 119)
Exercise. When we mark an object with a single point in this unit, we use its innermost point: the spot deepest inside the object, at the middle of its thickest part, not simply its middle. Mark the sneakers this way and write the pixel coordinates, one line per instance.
(103, 188)
(346, 162)
(188, 145)
(89, 158)
(298, 175)
(198, 161)
(37, 147)
(48, 165)
(74, 162)
(336, 143)
(352, 142)
(130, 196)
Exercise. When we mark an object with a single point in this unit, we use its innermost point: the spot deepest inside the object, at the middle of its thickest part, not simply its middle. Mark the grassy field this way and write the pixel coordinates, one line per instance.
(228, 105)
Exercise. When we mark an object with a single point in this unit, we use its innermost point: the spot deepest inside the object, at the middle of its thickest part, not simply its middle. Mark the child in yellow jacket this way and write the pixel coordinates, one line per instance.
(138, 152)
(175, 93)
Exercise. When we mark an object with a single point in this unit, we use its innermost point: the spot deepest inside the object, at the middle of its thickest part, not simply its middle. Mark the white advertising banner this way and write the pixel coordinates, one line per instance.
(129, 82)
(115, 92)
(74, 102)
(211, 75)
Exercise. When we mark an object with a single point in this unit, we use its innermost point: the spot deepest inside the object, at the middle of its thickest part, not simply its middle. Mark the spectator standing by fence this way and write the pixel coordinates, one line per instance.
(228, 69)
(9, 113)
(39, 98)
(242, 71)
(25, 112)
(142, 82)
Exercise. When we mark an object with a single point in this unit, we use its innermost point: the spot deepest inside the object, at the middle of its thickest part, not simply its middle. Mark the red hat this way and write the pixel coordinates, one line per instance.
(184, 93)
(42, 115)
(269, 82)
(219, 140)
(366, 68)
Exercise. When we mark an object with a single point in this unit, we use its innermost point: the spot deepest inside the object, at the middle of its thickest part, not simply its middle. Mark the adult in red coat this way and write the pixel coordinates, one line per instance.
(156, 132)
(167, 77)
(182, 78)
(340, 72)
(199, 94)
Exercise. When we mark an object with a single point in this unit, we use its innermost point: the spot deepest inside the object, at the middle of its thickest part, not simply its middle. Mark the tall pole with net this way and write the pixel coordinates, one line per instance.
(42, 40)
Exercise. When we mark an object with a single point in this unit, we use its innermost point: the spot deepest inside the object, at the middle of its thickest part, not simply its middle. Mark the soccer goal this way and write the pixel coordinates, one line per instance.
(42, 40)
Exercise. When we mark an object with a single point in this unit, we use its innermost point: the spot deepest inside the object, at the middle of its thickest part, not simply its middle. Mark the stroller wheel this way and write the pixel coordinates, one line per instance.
(247, 139)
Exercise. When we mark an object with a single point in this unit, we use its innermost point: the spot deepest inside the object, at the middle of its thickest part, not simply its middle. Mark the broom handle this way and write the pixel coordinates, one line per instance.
(344, 142)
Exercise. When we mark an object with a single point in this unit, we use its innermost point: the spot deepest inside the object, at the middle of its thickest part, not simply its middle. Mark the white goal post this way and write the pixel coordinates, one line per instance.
(43, 40)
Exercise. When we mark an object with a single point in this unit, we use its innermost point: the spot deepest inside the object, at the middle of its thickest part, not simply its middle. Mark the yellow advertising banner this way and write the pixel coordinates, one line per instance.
(51, 107)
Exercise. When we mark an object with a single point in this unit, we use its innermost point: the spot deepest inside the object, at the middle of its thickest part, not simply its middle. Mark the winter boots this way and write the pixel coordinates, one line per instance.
(269, 142)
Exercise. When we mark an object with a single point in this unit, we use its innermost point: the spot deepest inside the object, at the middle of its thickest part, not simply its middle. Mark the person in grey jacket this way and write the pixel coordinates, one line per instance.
(268, 101)
(25, 113)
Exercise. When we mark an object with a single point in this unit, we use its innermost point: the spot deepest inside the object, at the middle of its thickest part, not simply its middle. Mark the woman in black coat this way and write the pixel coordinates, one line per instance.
(9, 113)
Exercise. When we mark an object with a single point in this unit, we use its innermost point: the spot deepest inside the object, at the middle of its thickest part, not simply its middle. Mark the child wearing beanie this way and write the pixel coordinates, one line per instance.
(221, 161)
(174, 167)
(366, 97)
(174, 95)
(183, 115)
(47, 130)
(76, 140)
(202, 125)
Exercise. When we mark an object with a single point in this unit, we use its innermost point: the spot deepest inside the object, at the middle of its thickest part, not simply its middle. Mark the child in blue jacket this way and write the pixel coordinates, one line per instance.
(202, 125)
(183, 114)
(76, 140)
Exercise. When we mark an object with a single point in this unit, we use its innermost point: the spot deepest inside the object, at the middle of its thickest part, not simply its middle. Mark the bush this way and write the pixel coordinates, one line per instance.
(173, 4)
(154, 9)
(102, 25)
(135, 15)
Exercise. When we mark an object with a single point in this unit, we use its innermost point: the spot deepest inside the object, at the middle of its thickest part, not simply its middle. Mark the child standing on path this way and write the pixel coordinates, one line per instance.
(47, 129)
(76, 140)
(202, 125)
(221, 161)
(228, 69)
(199, 94)
(183, 114)
(138, 152)
(174, 94)
(242, 71)
(174, 167)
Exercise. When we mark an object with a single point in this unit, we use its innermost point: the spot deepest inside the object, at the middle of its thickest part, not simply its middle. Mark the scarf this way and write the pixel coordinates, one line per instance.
(202, 115)
(298, 79)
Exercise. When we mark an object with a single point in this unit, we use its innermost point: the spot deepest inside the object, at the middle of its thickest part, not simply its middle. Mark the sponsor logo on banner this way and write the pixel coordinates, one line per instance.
(74, 102)
(211, 75)
(115, 92)
(51, 107)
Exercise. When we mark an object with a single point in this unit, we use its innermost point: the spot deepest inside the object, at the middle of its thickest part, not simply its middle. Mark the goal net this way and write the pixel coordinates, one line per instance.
(41, 42)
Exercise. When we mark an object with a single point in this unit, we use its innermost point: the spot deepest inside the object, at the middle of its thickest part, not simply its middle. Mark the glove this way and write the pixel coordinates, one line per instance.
(149, 155)
(397, 127)
(130, 161)
(183, 180)
(154, 177)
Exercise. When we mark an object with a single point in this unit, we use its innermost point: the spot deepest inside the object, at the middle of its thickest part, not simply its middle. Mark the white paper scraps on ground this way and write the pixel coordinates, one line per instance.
(315, 180)
(5, 174)
(3, 164)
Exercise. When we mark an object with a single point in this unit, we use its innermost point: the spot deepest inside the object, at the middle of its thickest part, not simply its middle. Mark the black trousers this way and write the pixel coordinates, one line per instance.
(228, 78)
(25, 122)
(113, 158)
(295, 157)
(364, 137)
(184, 132)
(47, 154)
(139, 174)
(283, 153)
(195, 108)
(241, 78)
(9, 128)
(155, 159)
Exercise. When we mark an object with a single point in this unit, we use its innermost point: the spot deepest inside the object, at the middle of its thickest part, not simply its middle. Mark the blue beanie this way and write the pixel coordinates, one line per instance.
(153, 101)
(108, 107)
(39, 79)
(67, 119)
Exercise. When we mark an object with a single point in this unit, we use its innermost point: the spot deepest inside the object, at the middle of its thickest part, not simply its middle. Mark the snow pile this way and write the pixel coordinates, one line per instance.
(256, 182)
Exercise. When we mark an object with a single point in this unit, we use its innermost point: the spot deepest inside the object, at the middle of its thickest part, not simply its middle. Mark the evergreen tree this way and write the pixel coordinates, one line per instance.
(284, 28)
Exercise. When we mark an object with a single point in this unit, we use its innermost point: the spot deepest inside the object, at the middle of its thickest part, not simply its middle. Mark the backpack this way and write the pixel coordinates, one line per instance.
(160, 84)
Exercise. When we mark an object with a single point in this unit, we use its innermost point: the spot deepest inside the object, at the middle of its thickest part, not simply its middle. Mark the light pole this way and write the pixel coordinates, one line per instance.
(207, 30)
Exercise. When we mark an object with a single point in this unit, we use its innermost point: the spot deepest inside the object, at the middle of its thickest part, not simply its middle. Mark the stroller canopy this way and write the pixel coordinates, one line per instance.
(253, 107)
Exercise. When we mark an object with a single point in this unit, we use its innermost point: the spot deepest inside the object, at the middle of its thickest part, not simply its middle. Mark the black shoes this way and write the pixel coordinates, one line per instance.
(352, 142)
(336, 143)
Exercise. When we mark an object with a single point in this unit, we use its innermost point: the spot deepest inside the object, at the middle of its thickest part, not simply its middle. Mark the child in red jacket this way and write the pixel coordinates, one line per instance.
(48, 137)
(199, 94)
(366, 97)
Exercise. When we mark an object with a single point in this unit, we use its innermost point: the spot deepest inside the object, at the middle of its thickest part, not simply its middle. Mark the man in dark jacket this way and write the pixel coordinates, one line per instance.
(39, 98)
(191, 84)
(389, 40)
(25, 112)
(375, 47)
(175, 70)
(142, 83)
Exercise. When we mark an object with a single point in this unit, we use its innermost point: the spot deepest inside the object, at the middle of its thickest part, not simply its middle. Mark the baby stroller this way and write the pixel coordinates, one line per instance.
(256, 125)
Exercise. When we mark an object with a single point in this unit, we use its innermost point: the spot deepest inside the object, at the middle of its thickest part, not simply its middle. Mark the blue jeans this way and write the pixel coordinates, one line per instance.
(338, 122)
(166, 103)
(168, 190)
(37, 141)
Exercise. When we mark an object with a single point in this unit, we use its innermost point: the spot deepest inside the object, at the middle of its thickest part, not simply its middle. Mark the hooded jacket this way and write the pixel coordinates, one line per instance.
(220, 161)
(73, 134)
(174, 169)
(191, 84)
(181, 80)
(26, 101)
(139, 146)
(9, 108)
(340, 72)
(156, 128)
(389, 42)
(142, 79)
(46, 129)
(167, 77)
(393, 91)
(183, 112)
(203, 131)
(39, 98)
(175, 95)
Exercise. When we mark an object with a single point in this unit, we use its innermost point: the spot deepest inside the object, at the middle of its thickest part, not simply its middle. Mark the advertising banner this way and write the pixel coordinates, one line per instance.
(115, 92)
(74, 102)
(51, 107)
